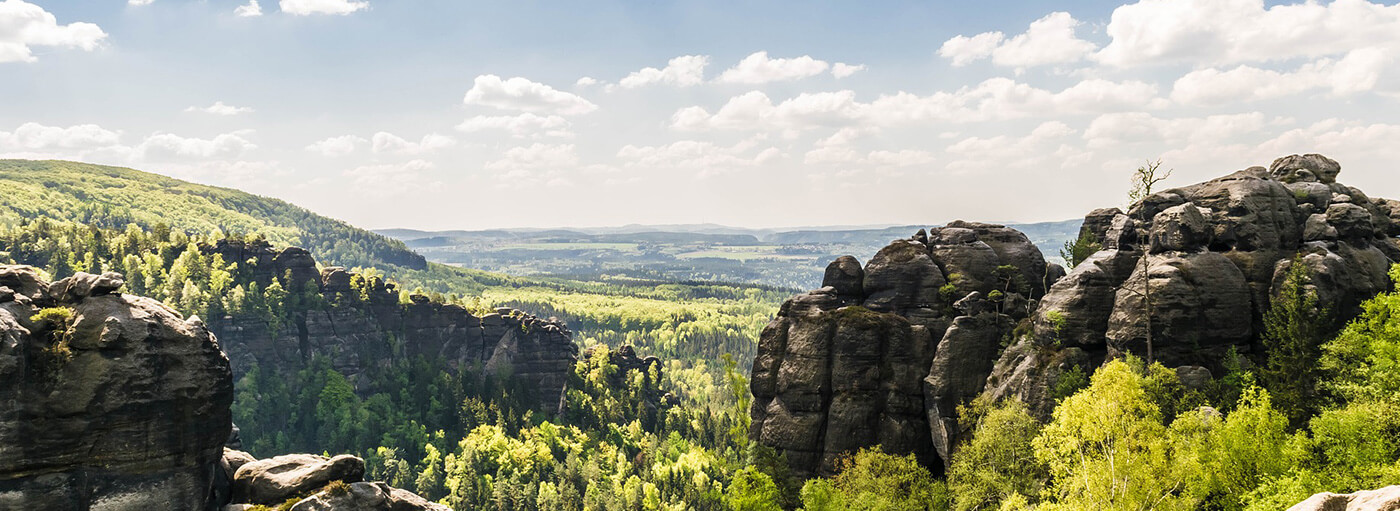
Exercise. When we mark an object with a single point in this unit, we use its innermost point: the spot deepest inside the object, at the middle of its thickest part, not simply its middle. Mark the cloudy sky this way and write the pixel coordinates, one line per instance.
(442, 114)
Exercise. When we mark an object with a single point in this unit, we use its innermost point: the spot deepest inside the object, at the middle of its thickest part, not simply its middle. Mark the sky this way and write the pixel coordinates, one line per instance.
(444, 114)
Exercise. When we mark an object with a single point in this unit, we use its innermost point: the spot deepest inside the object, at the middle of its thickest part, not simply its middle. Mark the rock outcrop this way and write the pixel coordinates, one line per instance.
(364, 320)
(1384, 499)
(853, 364)
(113, 401)
(921, 327)
(1211, 255)
(110, 401)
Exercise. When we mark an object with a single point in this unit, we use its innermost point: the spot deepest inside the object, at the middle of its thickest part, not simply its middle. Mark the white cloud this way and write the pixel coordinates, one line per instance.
(248, 10)
(535, 156)
(705, 158)
(23, 25)
(842, 69)
(1218, 32)
(519, 126)
(963, 50)
(167, 146)
(901, 158)
(1120, 128)
(385, 142)
(1049, 40)
(994, 99)
(587, 81)
(683, 71)
(308, 7)
(1359, 71)
(139, 2)
(337, 146)
(219, 108)
(390, 178)
(524, 95)
(1045, 146)
(757, 68)
(32, 136)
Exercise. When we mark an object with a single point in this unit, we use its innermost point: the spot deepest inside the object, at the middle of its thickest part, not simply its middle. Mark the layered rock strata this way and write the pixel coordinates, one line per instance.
(110, 401)
(854, 364)
(365, 324)
(1210, 256)
(921, 327)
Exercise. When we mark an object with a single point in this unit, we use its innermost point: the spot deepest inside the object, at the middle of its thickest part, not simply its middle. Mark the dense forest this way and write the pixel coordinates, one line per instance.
(1321, 416)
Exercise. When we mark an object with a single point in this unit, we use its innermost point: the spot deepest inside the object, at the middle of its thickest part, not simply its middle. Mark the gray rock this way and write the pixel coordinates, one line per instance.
(69, 441)
(1305, 168)
(1316, 228)
(959, 371)
(845, 276)
(1179, 228)
(1197, 304)
(273, 480)
(1383, 499)
(1193, 377)
(1351, 221)
(367, 497)
(901, 277)
(82, 285)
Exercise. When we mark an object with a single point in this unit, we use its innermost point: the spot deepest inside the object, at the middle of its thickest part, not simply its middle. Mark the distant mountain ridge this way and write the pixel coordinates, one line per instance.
(114, 197)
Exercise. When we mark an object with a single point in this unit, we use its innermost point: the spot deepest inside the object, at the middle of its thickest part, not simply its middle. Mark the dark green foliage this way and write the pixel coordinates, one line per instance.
(1295, 327)
(1079, 249)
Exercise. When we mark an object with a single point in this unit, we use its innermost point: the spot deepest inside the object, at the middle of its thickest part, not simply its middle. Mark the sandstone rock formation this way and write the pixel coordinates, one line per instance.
(354, 333)
(1214, 254)
(1384, 499)
(853, 364)
(110, 401)
(273, 480)
(358, 496)
(924, 323)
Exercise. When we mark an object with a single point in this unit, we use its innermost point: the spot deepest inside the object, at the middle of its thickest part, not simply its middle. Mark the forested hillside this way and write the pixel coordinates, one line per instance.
(113, 197)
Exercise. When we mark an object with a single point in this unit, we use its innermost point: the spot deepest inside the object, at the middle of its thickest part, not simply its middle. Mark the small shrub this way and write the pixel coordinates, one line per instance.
(337, 488)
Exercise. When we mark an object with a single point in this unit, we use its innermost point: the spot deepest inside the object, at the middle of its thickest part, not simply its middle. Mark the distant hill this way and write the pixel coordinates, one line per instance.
(113, 197)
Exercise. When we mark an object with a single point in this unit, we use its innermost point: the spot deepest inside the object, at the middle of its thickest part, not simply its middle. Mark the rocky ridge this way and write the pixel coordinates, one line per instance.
(114, 401)
(885, 353)
(539, 351)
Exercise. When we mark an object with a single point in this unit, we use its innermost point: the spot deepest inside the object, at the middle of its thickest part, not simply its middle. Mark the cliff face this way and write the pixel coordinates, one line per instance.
(377, 329)
(865, 359)
(1213, 254)
(107, 401)
(884, 354)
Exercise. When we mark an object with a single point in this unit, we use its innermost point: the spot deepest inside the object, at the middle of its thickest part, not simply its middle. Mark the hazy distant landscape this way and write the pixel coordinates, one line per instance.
(785, 258)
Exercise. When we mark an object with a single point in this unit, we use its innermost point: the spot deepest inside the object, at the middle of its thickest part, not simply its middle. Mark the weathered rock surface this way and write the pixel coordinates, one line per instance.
(273, 480)
(1384, 499)
(852, 364)
(356, 331)
(133, 416)
(833, 370)
(1211, 256)
(366, 496)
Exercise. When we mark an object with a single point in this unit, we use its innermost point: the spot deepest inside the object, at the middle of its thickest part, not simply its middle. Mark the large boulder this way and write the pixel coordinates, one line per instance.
(1194, 304)
(364, 497)
(112, 401)
(273, 480)
(1384, 499)
(1305, 168)
(959, 371)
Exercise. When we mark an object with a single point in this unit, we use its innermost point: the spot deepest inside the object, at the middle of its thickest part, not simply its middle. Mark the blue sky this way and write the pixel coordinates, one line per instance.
(449, 114)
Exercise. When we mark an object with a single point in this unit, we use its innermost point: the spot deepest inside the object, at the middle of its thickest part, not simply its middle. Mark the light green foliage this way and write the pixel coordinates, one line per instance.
(871, 480)
(113, 198)
(752, 490)
(1106, 447)
(999, 462)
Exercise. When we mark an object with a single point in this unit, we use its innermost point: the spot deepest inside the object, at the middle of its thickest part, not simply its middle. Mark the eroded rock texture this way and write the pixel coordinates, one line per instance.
(1210, 255)
(853, 364)
(107, 401)
(923, 324)
(355, 333)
